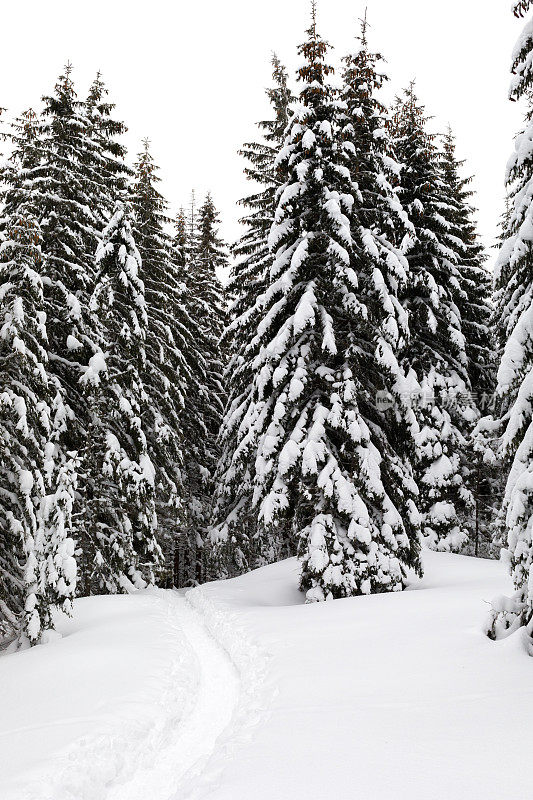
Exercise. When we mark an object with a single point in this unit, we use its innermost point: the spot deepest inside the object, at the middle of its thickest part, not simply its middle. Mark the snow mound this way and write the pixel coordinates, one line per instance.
(384, 696)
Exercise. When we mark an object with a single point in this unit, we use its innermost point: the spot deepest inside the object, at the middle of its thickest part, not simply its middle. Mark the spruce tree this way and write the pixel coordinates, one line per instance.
(366, 131)
(473, 303)
(121, 549)
(246, 288)
(252, 254)
(54, 175)
(168, 369)
(436, 351)
(105, 163)
(210, 261)
(379, 226)
(206, 256)
(514, 302)
(179, 243)
(37, 568)
(69, 168)
(474, 278)
(65, 208)
(310, 449)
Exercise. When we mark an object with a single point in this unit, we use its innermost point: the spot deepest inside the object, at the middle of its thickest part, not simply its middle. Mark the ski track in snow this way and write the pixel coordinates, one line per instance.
(254, 701)
(195, 736)
(209, 703)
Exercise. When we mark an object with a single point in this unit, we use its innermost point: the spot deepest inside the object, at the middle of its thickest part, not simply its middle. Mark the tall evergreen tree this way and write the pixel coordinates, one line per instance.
(210, 261)
(168, 359)
(252, 254)
(107, 167)
(54, 175)
(180, 243)
(436, 351)
(247, 285)
(37, 569)
(475, 279)
(379, 225)
(67, 166)
(121, 549)
(514, 300)
(206, 255)
(366, 131)
(63, 192)
(309, 433)
(473, 303)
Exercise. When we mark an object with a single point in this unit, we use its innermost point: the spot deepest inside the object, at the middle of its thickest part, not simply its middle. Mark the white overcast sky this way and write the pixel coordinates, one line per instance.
(191, 75)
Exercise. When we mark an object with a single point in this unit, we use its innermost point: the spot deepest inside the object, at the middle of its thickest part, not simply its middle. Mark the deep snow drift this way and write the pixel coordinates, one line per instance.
(389, 697)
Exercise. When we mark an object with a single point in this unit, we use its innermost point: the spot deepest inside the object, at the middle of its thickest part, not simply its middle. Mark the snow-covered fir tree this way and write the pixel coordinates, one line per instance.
(206, 258)
(246, 288)
(62, 196)
(475, 310)
(474, 277)
(37, 568)
(169, 363)
(379, 224)
(207, 263)
(179, 243)
(310, 432)
(366, 132)
(106, 164)
(120, 548)
(436, 351)
(252, 254)
(65, 168)
(514, 302)
(69, 168)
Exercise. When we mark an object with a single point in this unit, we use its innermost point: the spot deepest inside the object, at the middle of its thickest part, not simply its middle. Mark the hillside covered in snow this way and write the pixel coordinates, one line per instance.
(239, 689)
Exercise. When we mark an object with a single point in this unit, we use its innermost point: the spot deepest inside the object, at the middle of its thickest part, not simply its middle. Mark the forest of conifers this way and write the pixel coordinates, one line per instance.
(359, 388)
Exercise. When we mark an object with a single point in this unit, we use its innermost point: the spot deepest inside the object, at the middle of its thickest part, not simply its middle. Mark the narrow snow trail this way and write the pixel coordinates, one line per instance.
(194, 738)
(148, 695)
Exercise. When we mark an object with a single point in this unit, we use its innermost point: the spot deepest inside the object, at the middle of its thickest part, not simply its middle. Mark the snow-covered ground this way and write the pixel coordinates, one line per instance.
(132, 678)
(243, 691)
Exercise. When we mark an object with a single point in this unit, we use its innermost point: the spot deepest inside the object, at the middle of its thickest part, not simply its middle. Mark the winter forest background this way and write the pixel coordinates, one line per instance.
(347, 382)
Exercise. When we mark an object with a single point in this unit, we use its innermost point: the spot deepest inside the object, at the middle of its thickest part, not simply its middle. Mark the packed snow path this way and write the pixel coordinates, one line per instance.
(194, 738)
(138, 718)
